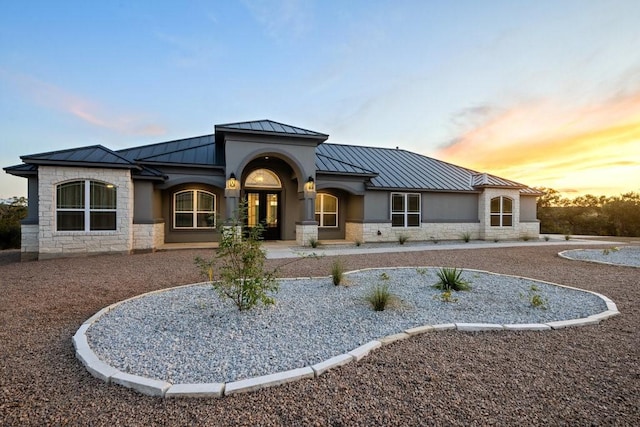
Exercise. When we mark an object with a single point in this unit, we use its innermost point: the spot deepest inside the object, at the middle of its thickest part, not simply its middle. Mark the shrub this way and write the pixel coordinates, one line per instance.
(337, 272)
(11, 213)
(240, 263)
(313, 242)
(466, 236)
(449, 279)
(380, 297)
(567, 237)
(402, 238)
(526, 238)
(546, 238)
(358, 242)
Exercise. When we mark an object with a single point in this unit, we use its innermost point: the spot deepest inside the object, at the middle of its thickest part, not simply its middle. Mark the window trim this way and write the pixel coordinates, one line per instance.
(195, 211)
(322, 212)
(501, 214)
(86, 208)
(405, 211)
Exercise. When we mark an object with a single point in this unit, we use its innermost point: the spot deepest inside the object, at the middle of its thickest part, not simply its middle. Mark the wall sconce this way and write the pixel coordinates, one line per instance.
(310, 185)
(232, 182)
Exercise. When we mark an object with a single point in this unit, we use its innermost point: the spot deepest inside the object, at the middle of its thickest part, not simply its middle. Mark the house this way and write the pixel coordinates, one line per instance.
(96, 200)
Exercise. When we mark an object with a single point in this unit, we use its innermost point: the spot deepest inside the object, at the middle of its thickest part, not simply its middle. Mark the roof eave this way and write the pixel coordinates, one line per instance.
(39, 162)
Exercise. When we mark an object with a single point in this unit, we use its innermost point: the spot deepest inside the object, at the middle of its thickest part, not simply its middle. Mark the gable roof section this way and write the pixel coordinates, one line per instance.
(94, 155)
(326, 164)
(269, 127)
(198, 150)
(404, 170)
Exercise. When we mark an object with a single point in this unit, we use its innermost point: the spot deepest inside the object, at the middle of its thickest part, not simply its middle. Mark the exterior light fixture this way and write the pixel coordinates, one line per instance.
(232, 181)
(311, 185)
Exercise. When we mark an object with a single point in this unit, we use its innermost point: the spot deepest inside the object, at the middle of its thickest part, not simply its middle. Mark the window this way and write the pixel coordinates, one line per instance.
(405, 210)
(194, 209)
(326, 210)
(262, 178)
(501, 212)
(85, 206)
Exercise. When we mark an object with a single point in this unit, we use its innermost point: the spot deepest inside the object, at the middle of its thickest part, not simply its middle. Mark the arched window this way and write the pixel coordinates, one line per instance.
(501, 212)
(85, 205)
(262, 178)
(194, 209)
(326, 210)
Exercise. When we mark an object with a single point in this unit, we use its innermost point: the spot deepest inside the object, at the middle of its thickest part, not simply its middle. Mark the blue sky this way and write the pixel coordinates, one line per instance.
(463, 81)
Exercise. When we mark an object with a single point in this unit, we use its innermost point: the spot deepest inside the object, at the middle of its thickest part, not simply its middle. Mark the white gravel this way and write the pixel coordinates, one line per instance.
(188, 335)
(626, 256)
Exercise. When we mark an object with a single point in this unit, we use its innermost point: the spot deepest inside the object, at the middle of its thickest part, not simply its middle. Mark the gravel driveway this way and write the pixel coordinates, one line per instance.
(582, 376)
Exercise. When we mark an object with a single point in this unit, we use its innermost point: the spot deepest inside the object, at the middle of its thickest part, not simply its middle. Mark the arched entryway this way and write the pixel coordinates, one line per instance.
(263, 194)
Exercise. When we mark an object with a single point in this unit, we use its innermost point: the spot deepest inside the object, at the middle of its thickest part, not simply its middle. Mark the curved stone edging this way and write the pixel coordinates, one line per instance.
(564, 255)
(153, 387)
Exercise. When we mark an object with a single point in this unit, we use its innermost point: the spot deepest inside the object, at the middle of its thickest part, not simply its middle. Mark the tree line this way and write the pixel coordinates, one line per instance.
(589, 214)
(12, 211)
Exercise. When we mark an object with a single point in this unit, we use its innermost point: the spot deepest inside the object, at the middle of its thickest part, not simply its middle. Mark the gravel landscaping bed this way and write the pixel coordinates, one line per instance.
(188, 335)
(627, 255)
(576, 376)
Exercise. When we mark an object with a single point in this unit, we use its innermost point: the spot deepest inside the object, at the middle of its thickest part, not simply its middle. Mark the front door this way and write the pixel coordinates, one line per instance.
(263, 207)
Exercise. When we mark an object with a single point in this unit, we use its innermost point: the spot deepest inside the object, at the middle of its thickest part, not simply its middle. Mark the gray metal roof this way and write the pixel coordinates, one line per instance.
(401, 169)
(385, 168)
(270, 127)
(198, 150)
(94, 155)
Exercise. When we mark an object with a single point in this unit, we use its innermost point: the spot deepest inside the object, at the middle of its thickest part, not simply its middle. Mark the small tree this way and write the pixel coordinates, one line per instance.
(239, 266)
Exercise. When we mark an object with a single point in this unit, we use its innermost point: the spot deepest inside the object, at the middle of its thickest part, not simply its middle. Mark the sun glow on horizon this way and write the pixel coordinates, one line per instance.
(587, 150)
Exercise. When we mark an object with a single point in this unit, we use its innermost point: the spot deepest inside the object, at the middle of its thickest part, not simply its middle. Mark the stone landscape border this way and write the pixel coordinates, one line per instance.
(564, 254)
(159, 388)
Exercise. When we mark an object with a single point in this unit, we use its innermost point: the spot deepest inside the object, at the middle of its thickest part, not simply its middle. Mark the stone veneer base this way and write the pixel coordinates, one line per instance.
(153, 387)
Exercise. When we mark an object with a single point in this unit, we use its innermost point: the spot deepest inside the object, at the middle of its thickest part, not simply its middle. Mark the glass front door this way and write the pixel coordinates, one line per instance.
(263, 208)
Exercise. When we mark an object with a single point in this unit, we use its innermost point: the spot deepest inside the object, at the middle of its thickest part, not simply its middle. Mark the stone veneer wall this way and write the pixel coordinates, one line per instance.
(52, 243)
(368, 232)
(306, 232)
(148, 237)
(29, 245)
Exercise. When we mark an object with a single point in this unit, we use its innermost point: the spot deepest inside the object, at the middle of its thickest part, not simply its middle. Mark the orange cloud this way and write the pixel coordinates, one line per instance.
(51, 96)
(591, 149)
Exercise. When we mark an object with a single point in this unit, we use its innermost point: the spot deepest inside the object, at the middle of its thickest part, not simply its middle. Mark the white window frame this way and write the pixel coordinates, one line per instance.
(405, 211)
(86, 209)
(195, 211)
(501, 214)
(322, 213)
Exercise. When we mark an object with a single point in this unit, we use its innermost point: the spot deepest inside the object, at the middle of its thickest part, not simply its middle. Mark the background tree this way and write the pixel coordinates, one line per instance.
(12, 211)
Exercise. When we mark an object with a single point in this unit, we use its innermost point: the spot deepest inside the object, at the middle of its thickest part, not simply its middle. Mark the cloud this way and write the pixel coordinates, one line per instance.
(54, 97)
(281, 19)
(586, 147)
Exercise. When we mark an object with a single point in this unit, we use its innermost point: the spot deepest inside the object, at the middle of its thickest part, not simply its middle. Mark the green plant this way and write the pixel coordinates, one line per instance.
(607, 251)
(466, 236)
(546, 238)
(535, 299)
(313, 242)
(380, 297)
(337, 272)
(402, 238)
(496, 240)
(358, 242)
(567, 237)
(422, 271)
(446, 296)
(526, 238)
(451, 279)
(384, 276)
(240, 265)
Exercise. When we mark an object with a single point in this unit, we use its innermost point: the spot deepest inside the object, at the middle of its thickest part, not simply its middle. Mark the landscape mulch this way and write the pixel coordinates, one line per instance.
(578, 376)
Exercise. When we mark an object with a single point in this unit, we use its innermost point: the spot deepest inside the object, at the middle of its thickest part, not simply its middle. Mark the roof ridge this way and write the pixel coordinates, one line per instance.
(87, 147)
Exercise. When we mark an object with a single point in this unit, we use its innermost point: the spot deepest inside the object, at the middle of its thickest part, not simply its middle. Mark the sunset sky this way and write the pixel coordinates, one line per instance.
(546, 93)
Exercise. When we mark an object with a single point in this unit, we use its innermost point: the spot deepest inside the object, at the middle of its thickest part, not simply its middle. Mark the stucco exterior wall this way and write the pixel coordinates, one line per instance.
(449, 207)
(54, 243)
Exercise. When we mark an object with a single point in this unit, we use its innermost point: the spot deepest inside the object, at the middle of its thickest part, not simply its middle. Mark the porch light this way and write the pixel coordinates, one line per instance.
(311, 185)
(232, 182)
